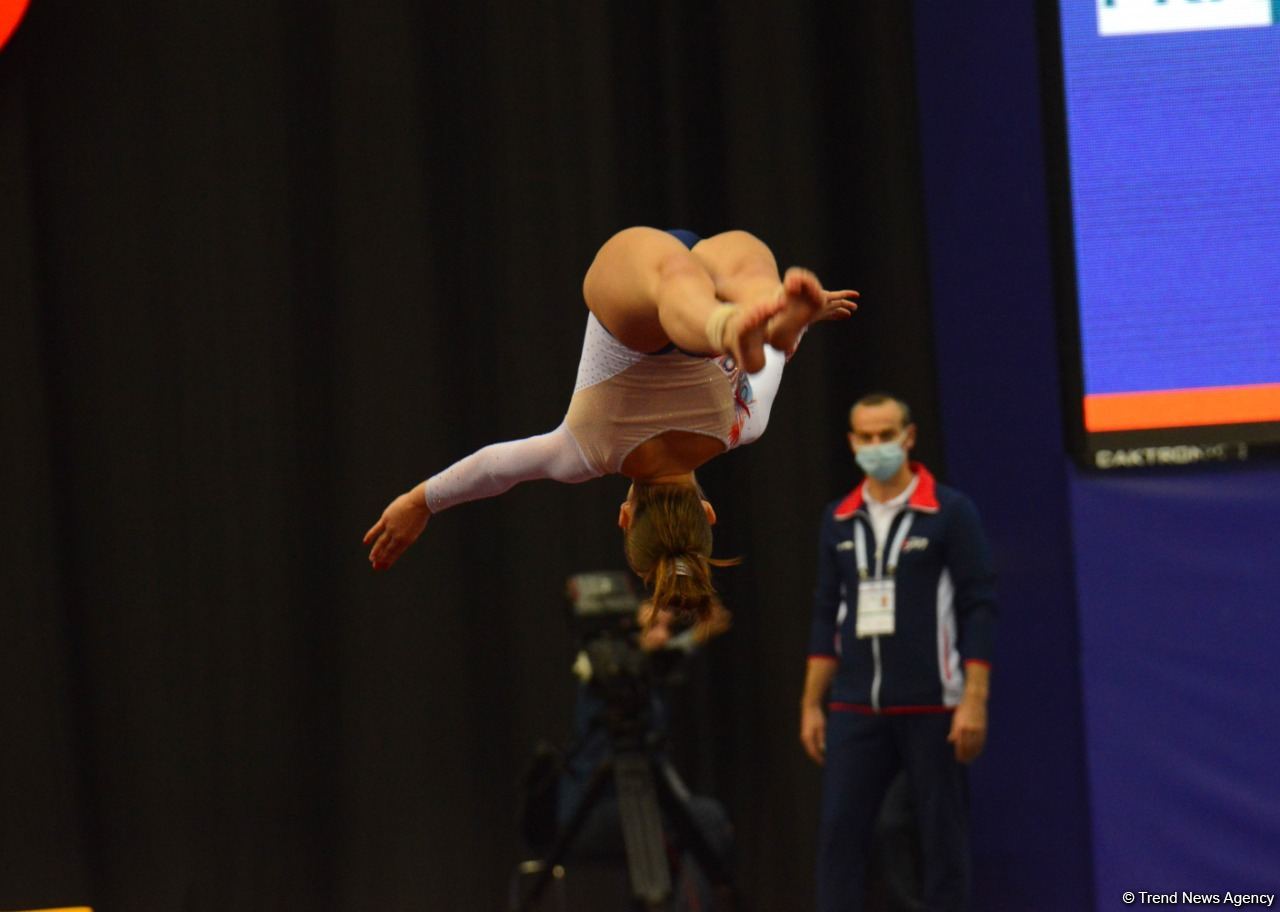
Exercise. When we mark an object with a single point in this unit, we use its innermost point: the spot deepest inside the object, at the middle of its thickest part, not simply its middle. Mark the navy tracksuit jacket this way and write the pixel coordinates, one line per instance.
(945, 602)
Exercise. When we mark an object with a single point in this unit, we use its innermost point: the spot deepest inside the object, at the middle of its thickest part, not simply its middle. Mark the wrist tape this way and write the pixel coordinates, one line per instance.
(716, 323)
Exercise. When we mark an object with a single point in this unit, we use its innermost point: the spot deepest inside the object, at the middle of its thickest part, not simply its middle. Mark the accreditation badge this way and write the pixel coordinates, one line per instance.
(875, 608)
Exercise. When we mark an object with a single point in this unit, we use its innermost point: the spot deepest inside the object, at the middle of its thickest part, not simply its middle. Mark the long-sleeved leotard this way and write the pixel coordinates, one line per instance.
(621, 399)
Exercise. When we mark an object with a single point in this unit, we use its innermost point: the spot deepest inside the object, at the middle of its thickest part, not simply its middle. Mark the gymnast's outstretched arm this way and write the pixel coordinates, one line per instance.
(487, 472)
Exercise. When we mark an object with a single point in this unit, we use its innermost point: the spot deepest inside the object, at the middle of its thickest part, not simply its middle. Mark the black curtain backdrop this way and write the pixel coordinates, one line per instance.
(265, 265)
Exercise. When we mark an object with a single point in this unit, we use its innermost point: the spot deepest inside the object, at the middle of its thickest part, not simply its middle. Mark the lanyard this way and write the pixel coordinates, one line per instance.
(895, 549)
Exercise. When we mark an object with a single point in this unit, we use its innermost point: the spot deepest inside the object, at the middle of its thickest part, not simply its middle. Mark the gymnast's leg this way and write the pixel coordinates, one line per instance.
(744, 269)
(648, 289)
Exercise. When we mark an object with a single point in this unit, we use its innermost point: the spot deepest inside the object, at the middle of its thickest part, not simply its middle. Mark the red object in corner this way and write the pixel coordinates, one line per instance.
(10, 15)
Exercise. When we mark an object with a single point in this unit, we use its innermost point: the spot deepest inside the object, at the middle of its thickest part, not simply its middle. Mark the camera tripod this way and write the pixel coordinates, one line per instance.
(647, 787)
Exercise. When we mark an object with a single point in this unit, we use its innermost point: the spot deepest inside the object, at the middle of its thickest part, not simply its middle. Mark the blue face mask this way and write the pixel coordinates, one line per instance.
(881, 460)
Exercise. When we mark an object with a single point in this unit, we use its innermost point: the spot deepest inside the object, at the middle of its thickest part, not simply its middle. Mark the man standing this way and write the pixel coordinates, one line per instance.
(903, 623)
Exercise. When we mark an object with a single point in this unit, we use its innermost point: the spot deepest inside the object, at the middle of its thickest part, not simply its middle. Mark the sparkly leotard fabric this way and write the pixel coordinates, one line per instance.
(621, 399)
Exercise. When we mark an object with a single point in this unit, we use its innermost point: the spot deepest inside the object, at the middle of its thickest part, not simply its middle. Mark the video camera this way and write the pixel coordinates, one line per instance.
(602, 602)
(604, 611)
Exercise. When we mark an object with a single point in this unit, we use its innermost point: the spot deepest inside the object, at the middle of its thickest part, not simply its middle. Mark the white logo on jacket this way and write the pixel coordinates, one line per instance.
(915, 543)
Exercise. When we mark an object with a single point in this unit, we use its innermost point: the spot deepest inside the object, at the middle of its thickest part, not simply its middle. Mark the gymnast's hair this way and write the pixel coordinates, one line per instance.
(669, 546)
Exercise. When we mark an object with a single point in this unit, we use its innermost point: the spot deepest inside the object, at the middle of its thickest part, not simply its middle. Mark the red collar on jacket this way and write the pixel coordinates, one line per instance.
(923, 498)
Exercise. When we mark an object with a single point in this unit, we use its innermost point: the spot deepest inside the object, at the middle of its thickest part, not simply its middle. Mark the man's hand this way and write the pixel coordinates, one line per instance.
(818, 675)
(402, 522)
(813, 733)
(969, 729)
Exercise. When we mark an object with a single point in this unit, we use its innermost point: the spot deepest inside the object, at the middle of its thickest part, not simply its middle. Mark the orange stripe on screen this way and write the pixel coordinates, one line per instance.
(1182, 408)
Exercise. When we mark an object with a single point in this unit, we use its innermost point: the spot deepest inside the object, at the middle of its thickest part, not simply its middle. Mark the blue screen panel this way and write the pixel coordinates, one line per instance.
(1173, 138)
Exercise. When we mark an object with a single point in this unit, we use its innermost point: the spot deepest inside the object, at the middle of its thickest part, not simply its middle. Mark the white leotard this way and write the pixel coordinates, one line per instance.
(621, 399)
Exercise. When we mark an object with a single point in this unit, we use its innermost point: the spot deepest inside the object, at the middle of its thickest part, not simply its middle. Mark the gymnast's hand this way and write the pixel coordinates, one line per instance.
(402, 522)
(837, 305)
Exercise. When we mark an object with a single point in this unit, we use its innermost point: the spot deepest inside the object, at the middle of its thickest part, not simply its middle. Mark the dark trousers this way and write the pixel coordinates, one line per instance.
(893, 870)
(863, 754)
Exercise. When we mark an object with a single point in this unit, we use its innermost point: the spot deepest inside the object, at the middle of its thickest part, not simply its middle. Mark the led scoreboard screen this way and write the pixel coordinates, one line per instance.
(1172, 162)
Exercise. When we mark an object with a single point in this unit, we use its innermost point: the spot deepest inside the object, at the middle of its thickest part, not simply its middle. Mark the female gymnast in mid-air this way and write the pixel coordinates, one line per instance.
(685, 344)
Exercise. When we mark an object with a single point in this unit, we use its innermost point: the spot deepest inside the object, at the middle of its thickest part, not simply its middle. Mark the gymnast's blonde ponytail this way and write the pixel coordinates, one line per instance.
(668, 544)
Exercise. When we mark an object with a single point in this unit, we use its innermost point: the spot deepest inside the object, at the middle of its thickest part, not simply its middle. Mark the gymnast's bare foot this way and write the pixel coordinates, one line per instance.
(745, 333)
(803, 301)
